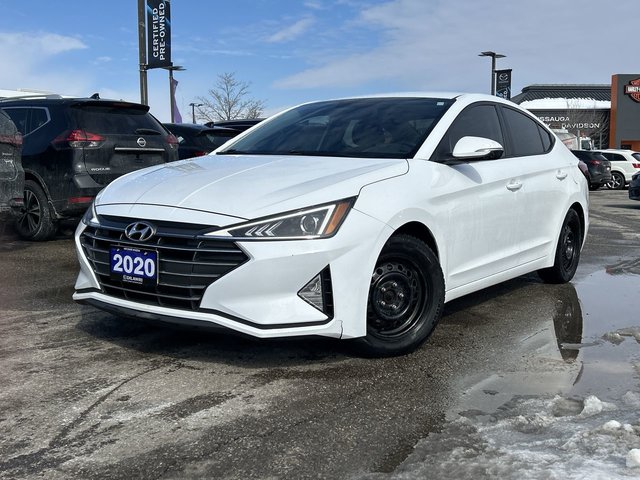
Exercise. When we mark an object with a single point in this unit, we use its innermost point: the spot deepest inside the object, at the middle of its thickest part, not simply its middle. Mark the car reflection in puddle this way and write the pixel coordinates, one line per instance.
(609, 351)
(544, 360)
(595, 351)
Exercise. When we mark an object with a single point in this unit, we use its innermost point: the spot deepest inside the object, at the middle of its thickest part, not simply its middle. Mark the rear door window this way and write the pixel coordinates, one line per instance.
(526, 135)
(20, 116)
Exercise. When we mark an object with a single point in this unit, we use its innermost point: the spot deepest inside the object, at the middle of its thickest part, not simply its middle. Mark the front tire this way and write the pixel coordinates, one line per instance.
(406, 296)
(567, 251)
(35, 221)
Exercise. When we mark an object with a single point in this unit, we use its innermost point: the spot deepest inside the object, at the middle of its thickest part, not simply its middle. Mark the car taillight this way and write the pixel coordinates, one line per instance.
(79, 139)
(200, 153)
(172, 141)
(636, 165)
(76, 200)
(15, 140)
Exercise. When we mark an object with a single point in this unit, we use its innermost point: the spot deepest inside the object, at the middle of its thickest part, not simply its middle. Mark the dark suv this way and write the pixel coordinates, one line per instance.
(73, 147)
(197, 140)
(11, 173)
(598, 165)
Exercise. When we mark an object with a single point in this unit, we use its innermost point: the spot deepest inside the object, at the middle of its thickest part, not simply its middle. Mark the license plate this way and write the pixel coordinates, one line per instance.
(133, 265)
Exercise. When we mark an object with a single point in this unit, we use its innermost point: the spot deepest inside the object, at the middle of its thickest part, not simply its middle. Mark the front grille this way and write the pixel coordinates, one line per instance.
(187, 263)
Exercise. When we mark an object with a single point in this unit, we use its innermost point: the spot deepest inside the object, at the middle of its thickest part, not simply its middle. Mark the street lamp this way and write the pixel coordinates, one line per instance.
(172, 93)
(493, 56)
(193, 110)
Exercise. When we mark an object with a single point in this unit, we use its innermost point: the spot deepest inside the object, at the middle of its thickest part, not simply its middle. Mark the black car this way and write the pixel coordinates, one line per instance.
(599, 167)
(634, 187)
(73, 147)
(11, 172)
(197, 140)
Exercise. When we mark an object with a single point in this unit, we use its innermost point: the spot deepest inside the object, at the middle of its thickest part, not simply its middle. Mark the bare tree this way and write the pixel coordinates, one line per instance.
(228, 101)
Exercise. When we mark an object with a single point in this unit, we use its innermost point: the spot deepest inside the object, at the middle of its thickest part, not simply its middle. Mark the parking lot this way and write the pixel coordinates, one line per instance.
(88, 395)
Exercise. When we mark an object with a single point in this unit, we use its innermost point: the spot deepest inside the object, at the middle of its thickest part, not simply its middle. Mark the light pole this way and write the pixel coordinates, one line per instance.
(493, 56)
(172, 92)
(193, 110)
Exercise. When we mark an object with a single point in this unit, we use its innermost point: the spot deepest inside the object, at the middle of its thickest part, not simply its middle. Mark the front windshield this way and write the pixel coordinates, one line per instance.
(366, 128)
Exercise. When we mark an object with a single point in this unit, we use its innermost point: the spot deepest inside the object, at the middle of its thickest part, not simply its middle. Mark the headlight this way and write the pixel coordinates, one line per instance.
(314, 222)
(90, 217)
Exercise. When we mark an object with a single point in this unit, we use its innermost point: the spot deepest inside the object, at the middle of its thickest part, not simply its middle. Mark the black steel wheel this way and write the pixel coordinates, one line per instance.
(405, 297)
(35, 221)
(616, 182)
(567, 251)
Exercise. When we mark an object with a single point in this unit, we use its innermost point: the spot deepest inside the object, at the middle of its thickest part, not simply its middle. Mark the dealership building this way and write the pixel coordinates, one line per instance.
(608, 114)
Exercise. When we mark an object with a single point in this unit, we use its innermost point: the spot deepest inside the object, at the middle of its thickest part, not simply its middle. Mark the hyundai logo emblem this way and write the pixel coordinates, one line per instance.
(140, 231)
(141, 142)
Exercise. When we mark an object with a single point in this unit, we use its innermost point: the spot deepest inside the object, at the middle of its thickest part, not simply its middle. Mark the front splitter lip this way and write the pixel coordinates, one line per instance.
(206, 319)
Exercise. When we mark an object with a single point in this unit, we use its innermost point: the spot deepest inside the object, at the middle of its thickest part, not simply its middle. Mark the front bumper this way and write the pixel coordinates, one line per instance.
(260, 296)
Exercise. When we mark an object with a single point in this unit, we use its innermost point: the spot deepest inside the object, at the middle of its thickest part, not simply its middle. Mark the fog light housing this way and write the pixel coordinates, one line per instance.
(318, 292)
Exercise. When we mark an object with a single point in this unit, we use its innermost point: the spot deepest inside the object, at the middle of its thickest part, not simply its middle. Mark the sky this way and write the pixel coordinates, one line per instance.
(296, 51)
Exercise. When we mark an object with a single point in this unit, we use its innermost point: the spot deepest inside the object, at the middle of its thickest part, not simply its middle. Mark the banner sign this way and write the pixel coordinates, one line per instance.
(175, 113)
(158, 34)
(503, 84)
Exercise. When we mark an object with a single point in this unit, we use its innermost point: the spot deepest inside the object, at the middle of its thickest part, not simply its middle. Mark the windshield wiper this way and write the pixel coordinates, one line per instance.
(230, 151)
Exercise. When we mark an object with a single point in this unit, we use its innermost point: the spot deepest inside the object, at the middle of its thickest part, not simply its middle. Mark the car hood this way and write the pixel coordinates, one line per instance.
(246, 186)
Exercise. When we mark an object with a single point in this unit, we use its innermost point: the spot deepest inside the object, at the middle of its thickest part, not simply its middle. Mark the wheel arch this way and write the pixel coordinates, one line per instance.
(577, 206)
(421, 232)
(32, 175)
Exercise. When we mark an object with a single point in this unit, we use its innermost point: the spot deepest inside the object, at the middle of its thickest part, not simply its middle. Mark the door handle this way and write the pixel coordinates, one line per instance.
(560, 175)
(514, 186)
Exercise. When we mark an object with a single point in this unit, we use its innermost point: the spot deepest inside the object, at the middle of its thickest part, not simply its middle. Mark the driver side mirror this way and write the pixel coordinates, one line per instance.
(477, 148)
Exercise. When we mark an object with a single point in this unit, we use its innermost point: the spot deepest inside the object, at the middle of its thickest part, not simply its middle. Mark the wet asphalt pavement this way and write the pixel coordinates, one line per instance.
(84, 394)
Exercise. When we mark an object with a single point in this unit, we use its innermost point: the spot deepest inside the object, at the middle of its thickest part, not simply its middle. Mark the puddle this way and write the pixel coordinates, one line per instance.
(564, 404)
(610, 352)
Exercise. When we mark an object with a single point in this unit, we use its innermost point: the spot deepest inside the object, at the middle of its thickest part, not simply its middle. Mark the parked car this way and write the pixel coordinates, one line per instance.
(11, 172)
(73, 148)
(353, 218)
(634, 187)
(197, 140)
(624, 163)
(599, 168)
(240, 124)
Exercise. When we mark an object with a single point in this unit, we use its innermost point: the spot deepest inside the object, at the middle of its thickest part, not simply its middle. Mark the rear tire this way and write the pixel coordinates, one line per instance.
(35, 221)
(405, 298)
(616, 182)
(567, 251)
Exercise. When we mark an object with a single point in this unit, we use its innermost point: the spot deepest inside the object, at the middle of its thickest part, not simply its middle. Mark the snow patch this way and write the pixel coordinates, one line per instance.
(593, 405)
(533, 438)
(565, 104)
(633, 458)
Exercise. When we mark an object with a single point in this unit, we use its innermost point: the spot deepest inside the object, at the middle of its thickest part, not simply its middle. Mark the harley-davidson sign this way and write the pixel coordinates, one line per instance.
(633, 89)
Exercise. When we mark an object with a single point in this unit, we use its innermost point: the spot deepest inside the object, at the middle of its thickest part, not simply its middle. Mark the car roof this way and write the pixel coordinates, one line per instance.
(57, 100)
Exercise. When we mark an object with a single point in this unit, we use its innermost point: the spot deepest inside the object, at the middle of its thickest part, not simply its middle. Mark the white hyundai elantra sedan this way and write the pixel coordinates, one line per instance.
(354, 218)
